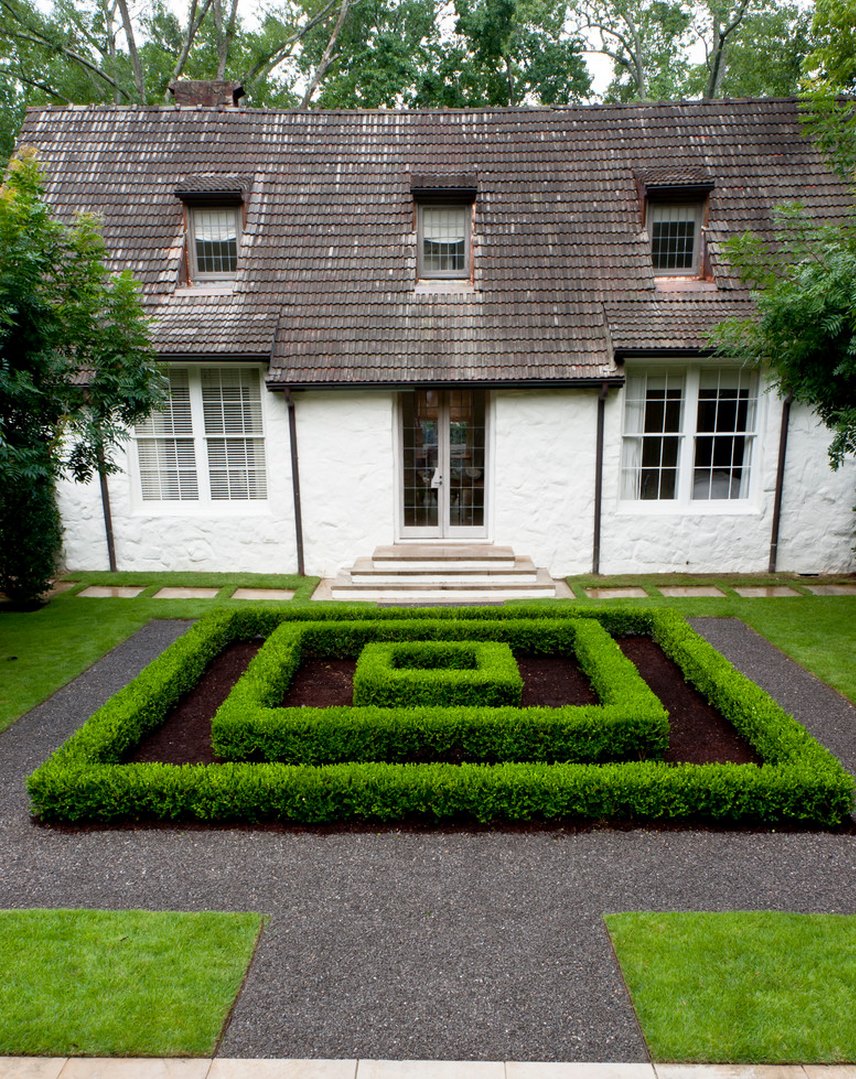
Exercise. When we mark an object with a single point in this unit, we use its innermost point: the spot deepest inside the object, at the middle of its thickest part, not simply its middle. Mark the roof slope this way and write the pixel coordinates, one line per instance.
(326, 284)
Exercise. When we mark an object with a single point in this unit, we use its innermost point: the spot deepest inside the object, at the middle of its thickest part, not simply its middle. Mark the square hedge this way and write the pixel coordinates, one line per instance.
(85, 779)
(408, 674)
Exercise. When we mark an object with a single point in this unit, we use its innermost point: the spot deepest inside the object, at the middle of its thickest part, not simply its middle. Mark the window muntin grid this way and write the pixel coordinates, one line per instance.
(689, 434)
(651, 451)
(215, 232)
(725, 429)
(675, 232)
(213, 417)
(444, 240)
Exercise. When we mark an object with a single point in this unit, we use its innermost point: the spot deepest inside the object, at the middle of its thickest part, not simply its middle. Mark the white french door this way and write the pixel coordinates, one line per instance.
(443, 464)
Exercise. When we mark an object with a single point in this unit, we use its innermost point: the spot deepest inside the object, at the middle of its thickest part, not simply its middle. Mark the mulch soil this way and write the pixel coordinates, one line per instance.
(699, 734)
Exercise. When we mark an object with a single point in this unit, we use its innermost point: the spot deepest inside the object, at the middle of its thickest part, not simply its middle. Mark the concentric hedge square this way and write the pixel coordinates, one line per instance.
(313, 765)
(411, 673)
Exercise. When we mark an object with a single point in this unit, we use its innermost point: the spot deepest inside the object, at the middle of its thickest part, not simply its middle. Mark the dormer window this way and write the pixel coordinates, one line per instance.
(675, 232)
(214, 234)
(444, 205)
(444, 240)
(214, 206)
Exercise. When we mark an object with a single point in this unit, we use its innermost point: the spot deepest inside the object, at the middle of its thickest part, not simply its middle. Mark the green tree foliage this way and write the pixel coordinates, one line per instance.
(832, 62)
(76, 367)
(804, 286)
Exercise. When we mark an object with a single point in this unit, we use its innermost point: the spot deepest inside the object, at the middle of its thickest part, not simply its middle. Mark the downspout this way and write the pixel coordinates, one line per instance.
(295, 480)
(105, 509)
(598, 478)
(780, 482)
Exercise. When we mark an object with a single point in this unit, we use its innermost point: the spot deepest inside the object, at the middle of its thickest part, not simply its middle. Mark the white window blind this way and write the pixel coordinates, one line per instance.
(444, 235)
(215, 241)
(232, 411)
(213, 418)
(165, 447)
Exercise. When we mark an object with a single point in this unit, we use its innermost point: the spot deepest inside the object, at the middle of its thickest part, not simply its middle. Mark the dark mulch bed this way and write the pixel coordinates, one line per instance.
(699, 734)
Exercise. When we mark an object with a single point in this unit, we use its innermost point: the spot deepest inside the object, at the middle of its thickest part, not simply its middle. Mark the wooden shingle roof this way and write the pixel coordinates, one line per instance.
(326, 286)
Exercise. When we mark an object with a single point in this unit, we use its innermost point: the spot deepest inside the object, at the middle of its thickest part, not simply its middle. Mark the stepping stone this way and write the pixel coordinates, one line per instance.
(770, 591)
(31, 1067)
(632, 592)
(61, 586)
(262, 593)
(112, 591)
(135, 1068)
(678, 591)
(832, 589)
(223, 1068)
(186, 593)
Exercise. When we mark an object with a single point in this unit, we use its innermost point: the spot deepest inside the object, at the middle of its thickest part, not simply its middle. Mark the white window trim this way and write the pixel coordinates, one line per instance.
(684, 505)
(698, 206)
(444, 275)
(196, 275)
(204, 506)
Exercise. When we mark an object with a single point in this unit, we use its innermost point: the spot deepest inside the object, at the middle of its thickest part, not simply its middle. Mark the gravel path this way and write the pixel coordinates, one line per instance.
(443, 944)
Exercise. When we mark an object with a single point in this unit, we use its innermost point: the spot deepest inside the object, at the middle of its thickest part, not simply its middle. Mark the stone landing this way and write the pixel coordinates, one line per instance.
(454, 573)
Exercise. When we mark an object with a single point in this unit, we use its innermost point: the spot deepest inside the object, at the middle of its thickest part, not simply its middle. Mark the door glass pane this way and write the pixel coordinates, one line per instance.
(421, 425)
(466, 459)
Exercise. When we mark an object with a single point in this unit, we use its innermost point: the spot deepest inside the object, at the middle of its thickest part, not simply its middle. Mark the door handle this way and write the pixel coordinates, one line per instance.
(436, 479)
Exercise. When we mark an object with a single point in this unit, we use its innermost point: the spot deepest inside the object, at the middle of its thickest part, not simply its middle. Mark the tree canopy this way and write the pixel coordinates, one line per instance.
(804, 286)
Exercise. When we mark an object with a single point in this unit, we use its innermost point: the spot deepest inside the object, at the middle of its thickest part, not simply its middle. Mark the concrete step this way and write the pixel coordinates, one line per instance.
(451, 590)
(521, 571)
(443, 552)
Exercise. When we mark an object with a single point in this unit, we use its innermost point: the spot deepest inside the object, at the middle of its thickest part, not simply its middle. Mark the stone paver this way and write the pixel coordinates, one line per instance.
(690, 591)
(283, 1069)
(729, 1071)
(832, 589)
(31, 1067)
(630, 592)
(112, 591)
(134, 1068)
(324, 590)
(536, 1070)
(262, 593)
(431, 1069)
(186, 593)
(765, 591)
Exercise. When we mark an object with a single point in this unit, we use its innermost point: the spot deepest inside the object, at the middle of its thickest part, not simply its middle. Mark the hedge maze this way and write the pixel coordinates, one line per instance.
(437, 731)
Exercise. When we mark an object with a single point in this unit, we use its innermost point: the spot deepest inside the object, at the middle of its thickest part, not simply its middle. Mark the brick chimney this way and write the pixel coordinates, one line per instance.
(207, 92)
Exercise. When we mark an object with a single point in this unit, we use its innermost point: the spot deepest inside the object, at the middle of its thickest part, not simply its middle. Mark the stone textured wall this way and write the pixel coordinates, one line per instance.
(542, 450)
(245, 537)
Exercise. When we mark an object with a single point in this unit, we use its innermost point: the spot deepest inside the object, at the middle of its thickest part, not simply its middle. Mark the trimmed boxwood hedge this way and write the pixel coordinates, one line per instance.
(84, 780)
(407, 674)
(629, 723)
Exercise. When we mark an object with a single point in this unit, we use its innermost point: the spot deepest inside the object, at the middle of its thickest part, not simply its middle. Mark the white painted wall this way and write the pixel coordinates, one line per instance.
(347, 475)
(542, 504)
(238, 537)
(543, 475)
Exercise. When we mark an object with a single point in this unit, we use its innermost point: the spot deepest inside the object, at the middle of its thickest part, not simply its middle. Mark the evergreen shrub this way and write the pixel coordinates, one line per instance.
(515, 764)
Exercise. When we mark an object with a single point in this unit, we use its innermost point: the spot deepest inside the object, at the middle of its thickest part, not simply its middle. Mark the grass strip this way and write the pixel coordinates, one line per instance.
(758, 987)
(119, 983)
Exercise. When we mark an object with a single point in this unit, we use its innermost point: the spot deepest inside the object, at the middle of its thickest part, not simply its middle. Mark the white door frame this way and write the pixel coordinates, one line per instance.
(440, 480)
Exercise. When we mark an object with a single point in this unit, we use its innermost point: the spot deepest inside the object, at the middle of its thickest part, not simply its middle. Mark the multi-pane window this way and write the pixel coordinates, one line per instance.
(688, 434)
(444, 240)
(675, 231)
(214, 237)
(208, 442)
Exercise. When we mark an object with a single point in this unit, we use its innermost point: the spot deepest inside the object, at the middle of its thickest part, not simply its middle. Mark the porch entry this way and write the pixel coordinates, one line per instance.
(443, 464)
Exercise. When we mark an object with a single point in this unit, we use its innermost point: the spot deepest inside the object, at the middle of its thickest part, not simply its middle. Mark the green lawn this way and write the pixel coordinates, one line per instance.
(119, 983)
(756, 987)
(53, 645)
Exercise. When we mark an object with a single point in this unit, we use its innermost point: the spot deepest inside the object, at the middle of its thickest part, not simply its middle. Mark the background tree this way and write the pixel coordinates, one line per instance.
(76, 370)
(804, 286)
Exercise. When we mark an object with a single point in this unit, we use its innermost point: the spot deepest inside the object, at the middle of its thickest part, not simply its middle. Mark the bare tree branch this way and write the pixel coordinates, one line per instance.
(265, 64)
(327, 58)
(194, 21)
(720, 37)
(139, 81)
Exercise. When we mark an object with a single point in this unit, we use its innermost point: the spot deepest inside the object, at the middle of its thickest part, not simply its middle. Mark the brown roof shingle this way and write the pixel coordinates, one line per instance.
(326, 284)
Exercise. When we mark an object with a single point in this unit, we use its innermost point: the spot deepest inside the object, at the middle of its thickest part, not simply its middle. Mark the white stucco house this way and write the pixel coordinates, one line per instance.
(436, 328)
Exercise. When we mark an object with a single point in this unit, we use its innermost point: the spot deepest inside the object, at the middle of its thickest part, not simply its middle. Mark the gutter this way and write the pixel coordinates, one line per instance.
(451, 384)
(780, 483)
(295, 479)
(598, 478)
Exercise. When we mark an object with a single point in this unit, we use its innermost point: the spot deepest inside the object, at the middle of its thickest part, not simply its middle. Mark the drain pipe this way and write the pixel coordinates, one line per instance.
(295, 480)
(105, 509)
(780, 482)
(598, 478)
